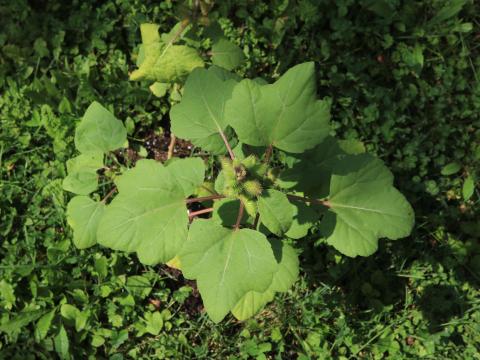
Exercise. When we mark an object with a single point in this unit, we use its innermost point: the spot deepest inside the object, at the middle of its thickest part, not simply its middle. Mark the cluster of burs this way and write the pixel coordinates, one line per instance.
(243, 180)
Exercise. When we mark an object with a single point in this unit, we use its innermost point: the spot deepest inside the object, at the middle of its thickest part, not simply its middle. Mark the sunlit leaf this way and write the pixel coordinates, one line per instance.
(364, 206)
(226, 264)
(285, 114)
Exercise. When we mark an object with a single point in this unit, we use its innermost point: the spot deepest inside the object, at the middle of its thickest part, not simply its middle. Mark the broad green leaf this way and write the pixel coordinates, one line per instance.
(226, 54)
(303, 219)
(81, 182)
(287, 273)
(468, 187)
(364, 206)
(226, 264)
(20, 320)
(88, 162)
(276, 212)
(148, 215)
(148, 176)
(62, 344)
(43, 325)
(99, 131)
(162, 61)
(83, 215)
(189, 173)
(285, 114)
(311, 171)
(225, 212)
(251, 304)
(451, 168)
(200, 117)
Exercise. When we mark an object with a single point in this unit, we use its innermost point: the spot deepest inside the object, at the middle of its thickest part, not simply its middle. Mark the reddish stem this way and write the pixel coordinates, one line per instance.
(204, 198)
(199, 212)
(110, 193)
(229, 148)
(240, 215)
(268, 154)
(171, 146)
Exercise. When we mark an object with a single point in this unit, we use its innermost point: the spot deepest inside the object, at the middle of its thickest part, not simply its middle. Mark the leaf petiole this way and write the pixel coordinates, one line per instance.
(204, 198)
(199, 212)
(240, 215)
(305, 199)
(110, 193)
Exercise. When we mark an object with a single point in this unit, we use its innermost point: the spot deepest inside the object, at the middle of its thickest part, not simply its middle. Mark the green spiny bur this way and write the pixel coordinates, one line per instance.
(252, 187)
(250, 161)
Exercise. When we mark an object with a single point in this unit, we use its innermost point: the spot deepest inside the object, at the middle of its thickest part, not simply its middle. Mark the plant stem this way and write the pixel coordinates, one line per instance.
(305, 199)
(110, 193)
(240, 215)
(229, 148)
(204, 198)
(266, 160)
(171, 146)
(255, 222)
(268, 154)
(200, 212)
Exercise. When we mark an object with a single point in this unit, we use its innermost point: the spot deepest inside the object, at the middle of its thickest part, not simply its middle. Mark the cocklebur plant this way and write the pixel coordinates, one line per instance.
(278, 173)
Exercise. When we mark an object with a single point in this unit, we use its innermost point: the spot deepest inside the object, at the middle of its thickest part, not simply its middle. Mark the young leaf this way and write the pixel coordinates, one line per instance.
(89, 162)
(82, 176)
(287, 273)
(226, 54)
(154, 322)
(159, 89)
(43, 325)
(468, 187)
(163, 61)
(81, 183)
(276, 212)
(364, 206)
(200, 116)
(83, 215)
(62, 344)
(99, 131)
(148, 215)
(226, 264)
(451, 168)
(285, 114)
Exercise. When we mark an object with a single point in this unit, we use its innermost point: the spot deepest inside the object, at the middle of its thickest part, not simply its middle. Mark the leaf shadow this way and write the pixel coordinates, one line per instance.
(440, 304)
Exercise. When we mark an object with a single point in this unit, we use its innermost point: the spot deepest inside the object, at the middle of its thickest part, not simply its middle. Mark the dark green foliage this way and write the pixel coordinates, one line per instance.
(402, 76)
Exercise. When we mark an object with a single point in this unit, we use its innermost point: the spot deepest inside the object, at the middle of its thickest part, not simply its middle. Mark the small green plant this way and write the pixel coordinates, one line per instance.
(282, 174)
